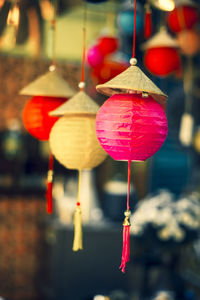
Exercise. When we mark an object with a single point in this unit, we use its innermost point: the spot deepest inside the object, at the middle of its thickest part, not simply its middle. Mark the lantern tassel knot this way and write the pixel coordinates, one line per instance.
(126, 241)
(77, 244)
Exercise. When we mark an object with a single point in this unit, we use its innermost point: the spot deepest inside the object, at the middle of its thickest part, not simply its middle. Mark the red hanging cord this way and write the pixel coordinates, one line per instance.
(126, 228)
(134, 30)
(49, 186)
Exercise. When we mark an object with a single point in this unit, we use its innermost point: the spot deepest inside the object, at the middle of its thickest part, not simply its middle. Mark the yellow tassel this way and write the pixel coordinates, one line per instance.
(78, 242)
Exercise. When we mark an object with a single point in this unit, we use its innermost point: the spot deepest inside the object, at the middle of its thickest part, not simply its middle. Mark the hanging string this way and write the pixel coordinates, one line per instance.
(82, 83)
(78, 240)
(128, 193)
(53, 27)
(126, 228)
(134, 30)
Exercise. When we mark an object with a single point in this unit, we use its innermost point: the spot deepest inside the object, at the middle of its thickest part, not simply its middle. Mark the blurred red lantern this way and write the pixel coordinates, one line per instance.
(182, 17)
(107, 70)
(162, 61)
(107, 45)
(189, 42)
(35, 115)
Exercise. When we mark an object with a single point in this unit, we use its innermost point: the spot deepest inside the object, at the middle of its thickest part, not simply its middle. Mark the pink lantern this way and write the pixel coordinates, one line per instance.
(94, 57)
(130, 127)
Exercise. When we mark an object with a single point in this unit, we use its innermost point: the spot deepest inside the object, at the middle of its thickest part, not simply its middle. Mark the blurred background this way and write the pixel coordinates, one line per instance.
(36, 259)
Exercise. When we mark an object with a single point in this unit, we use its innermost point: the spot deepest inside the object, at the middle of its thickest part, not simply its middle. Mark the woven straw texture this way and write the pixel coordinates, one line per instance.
(81, 103)
(133, 80)
(74, 144)
(49, 84)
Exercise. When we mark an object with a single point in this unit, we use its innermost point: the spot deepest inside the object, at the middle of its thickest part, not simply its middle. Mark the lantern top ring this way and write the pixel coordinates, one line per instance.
(133, 61)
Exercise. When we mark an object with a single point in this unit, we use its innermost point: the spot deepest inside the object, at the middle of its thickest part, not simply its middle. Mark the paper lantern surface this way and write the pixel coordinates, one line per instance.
(107, 45)
(130, 127)
(162, 61)
(107, 71)
(36, 115)
(125, 21)
(189, 41)
(94, 56)
(74, 144)
(183, 17)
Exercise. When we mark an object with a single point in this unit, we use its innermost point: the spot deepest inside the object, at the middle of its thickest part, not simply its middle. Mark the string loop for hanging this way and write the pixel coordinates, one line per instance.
(53, 27)
(134, 30)
(82, 83)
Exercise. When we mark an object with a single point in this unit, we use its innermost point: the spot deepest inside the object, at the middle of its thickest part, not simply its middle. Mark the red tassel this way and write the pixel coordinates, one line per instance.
(49, 186)
(126, 241)
(147, 22)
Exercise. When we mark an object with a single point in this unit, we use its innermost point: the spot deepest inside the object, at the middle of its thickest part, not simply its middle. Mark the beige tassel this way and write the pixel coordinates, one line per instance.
(78, 242)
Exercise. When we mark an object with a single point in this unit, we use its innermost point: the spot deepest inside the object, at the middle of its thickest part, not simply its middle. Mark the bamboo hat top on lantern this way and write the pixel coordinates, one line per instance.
(161, 39)
(50, 84)
(132, 80)
(80, 103)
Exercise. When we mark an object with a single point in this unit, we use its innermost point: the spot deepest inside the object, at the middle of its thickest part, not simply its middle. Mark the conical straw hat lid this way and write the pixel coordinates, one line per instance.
(132, 80)
(81, 103)
(49, 84)
(161, 39)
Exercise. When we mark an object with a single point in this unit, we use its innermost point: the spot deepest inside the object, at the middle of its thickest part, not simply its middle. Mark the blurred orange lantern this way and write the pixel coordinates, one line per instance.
(189, 42)
(35, 115)
(182, 17)
(107, 70)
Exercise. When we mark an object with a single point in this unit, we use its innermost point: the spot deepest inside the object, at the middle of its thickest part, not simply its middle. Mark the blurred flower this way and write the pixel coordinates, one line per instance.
(170, 219)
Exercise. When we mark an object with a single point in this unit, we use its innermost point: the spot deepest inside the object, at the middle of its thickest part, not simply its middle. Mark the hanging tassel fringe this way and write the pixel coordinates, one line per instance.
(126, 241)
(49, 186)
(78, 243)
(148, 22)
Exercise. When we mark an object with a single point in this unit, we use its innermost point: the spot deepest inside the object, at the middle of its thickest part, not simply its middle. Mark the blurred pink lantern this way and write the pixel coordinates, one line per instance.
(94, 56)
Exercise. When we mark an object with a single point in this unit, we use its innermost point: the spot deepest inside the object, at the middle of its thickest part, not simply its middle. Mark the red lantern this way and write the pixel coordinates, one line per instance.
(162, 61)
(107, 45)
(35, 115)
(182, 17)
(130, 127)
